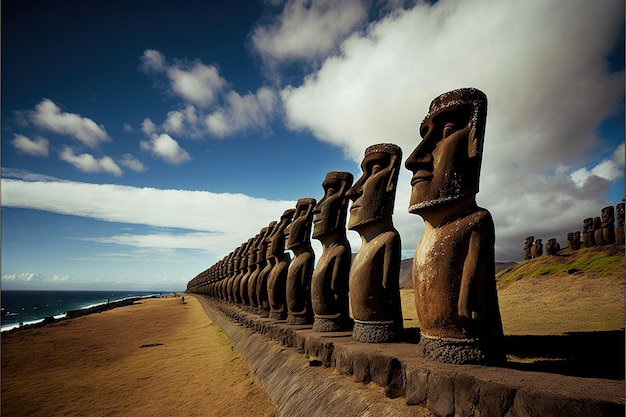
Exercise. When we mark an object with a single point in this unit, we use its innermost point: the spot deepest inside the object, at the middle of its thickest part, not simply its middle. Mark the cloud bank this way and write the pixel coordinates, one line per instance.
(543, 66)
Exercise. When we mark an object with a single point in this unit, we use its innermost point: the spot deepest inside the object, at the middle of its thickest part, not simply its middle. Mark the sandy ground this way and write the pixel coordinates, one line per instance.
(157, 358)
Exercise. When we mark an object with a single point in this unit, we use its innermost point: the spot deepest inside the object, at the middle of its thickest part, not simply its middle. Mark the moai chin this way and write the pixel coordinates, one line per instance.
(453, 266)
(298, 240)
(608, 225)
(277, 279)
(375, 271)
(329, 284)
(619, 230)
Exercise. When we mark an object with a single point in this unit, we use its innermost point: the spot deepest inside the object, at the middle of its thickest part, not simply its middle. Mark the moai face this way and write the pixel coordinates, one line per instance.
(277, 239)
(446, 163)
(330, 212)
(597, 223)
(608, 216)
(529, 241)
(588, 224)
(374, 193)
(620, 213)
(299, 230)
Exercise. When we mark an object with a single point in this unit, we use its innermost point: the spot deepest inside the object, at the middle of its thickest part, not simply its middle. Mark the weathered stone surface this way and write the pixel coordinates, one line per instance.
(375, 271)
(277, 279)
(329, 284)
(528, 244)
(453, 266)
(298, 240)
(619, 229)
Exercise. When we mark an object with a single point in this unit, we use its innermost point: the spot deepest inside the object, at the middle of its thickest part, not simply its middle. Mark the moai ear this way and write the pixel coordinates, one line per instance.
(474, 141)
(391, 182)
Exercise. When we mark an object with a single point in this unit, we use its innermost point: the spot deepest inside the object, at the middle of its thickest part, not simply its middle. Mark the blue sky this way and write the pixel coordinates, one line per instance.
(143, 141)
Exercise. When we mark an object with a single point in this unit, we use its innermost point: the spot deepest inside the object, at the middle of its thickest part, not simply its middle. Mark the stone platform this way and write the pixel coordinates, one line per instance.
(286, 360)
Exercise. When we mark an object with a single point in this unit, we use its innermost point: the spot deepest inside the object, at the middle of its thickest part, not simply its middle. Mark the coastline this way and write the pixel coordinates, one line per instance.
(156, 357)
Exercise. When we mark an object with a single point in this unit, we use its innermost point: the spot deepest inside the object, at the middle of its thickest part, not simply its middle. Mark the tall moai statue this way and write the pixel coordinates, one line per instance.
(375, 272)
(577, 242)
(537, 249)
(589, 239)
(608, 225)
(250, 268)
(259, 261)
(329, 284)
(598, 236)
(244, 255)
(298, 240)
(453, 267)
(528, 244)
(277, 279)
(619, 230)
(268, 264)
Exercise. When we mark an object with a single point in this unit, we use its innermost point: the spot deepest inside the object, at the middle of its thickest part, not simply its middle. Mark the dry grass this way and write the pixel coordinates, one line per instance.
(579, 291)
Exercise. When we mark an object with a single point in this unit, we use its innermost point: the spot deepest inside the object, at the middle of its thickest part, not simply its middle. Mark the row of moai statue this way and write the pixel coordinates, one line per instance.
(453, 267)
(596, 231)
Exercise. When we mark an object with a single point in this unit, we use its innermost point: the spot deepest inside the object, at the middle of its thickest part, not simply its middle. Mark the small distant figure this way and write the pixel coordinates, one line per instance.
(183, 299)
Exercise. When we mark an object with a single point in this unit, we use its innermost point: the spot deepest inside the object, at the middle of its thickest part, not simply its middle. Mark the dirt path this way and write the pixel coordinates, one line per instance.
(157, 358)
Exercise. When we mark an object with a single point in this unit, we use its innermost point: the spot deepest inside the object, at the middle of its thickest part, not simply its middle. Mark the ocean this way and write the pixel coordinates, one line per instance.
(28, 307)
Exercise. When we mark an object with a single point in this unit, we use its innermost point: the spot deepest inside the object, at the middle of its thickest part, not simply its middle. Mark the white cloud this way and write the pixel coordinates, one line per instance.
(49, 116)
(543, 68)
(608, 169)
(88, 163)
(148, 127)
(132, 163)
(194, 82)
(164, 147)
(220, 222)
(307, 29)
(242, 112)
(36, 147)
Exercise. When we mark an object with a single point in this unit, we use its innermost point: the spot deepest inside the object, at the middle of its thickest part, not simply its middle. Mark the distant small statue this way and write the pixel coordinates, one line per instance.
(375, 272)
(528, 244)
(265, 267)
(619, 230)
(454, 263)
(598, 235)
(589, 239)
(277, 279)
(329, 285)
(552, 247)
(298, 240)
(576, 244)
(537, 249)
(608, 225)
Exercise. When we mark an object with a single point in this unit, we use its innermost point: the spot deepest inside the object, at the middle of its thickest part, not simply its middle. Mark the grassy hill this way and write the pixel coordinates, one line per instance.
(575, 291)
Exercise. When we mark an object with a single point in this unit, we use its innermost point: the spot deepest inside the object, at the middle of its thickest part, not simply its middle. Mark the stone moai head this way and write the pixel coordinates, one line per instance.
(588, 224)
(608, 216)
(597, 223)
(446, 163)
(298, 232)
(619, 210)
(329, 215)
(277, 238)
(374, 193)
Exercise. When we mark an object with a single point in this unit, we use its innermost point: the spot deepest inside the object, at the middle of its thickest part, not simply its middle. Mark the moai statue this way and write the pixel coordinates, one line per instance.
(598, 235)
(329, 284)
(576, 242)
(375, 272)
(537, 249)
(588, 233)
(268, 264)
(277, 279)
(552, 247)
(528, 243)
(608, 225)
(454, 263)
(251, 268)
(259, 261)
(570, 240)
(244, 255)
(619, 230)
(298, 240)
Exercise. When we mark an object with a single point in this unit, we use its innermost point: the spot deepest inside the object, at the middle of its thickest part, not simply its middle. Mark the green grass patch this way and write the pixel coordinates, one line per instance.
(550, 269)
(601, 263)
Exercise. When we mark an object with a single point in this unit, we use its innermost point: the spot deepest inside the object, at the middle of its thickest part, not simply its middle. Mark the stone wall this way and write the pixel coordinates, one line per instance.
(423, 387)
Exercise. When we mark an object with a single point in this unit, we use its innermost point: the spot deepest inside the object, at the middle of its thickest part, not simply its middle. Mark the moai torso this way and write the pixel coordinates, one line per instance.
(619, 229)
(589, 239)
(598, 235)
